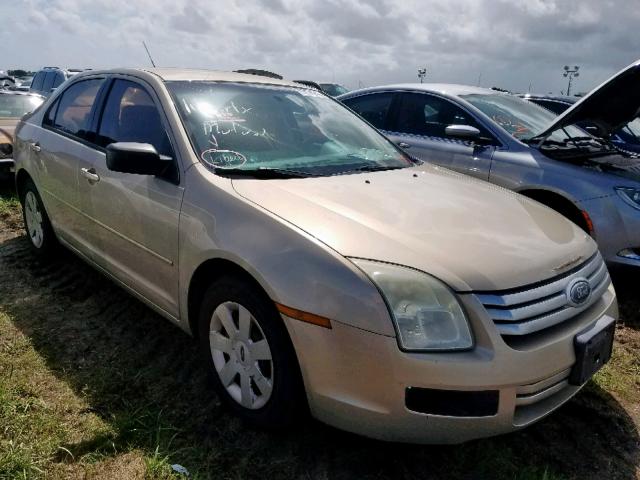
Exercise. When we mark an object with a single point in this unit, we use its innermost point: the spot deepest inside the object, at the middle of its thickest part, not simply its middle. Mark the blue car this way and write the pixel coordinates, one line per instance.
(627, 138)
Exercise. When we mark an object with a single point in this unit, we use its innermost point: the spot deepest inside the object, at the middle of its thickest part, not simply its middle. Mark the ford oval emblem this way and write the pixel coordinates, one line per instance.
(578, 292)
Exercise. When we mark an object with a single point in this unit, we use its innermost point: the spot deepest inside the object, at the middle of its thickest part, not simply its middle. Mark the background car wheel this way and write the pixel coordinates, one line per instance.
(36, 222)
(246, 346)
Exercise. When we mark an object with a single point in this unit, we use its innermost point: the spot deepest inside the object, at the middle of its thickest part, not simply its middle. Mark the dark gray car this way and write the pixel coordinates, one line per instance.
(516, 144)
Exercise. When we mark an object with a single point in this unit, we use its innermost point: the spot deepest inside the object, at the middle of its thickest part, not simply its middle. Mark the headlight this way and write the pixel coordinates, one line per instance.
(630, 195)
(426, 313)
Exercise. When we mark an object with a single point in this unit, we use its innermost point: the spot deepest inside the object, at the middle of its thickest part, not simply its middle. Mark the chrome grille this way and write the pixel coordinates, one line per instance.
(534, 308)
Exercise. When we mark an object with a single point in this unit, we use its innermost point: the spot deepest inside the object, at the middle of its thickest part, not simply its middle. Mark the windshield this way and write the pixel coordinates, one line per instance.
(249, 127)
(15, 106)
(333, 89)
(520, 118)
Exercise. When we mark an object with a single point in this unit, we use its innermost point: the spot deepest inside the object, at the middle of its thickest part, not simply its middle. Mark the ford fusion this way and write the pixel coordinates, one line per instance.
(319, 267)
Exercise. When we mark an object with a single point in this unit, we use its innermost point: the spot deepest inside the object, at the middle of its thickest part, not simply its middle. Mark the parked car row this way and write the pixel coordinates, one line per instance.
(325, 266)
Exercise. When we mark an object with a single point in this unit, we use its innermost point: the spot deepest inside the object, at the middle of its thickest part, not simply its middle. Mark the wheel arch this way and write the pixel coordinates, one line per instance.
(209, 271)
(22, 176)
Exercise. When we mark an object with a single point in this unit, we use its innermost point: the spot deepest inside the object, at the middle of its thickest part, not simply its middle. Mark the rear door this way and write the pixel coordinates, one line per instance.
(62, 144)
(418, 125)
(136, 215)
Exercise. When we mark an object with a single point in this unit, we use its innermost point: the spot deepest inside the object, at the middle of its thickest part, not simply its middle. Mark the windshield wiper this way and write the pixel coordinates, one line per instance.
(370, 168)
(378, 168)
(263, 172)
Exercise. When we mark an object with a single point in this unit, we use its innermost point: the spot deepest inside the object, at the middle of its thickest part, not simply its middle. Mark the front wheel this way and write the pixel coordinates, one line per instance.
(248, 351)
(36, 222)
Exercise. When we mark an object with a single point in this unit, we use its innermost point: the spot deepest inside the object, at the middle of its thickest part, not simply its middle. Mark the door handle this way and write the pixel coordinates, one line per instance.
(90, 174)
(404, 145)
(35, 146)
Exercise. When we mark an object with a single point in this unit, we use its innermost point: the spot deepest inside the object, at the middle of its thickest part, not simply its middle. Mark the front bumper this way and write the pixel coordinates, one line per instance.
(617, 230)
(357, 380)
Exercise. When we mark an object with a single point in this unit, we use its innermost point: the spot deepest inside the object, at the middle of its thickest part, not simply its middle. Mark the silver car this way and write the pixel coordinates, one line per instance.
(318, 266)
(501, 138)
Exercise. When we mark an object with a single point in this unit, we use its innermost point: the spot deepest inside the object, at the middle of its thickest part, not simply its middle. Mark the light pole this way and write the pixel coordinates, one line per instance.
(422, 72)
(570, 73)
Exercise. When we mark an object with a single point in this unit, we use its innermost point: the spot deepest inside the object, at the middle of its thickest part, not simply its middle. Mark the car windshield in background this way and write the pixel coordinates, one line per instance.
(15, 106)
(334, 89)
(520, 118)
(266, 127)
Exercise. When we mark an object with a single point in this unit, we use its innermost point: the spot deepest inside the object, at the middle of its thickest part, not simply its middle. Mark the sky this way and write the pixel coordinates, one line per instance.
(518, 45)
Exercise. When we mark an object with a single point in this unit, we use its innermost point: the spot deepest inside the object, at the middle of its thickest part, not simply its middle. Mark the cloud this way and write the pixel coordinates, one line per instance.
(492, 42)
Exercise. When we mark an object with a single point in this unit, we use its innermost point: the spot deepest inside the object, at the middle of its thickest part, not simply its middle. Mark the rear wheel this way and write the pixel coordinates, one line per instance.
(36, 222)
(249, 354)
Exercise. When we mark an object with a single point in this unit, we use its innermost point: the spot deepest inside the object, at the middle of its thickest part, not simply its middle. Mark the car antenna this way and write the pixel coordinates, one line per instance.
(150, 57)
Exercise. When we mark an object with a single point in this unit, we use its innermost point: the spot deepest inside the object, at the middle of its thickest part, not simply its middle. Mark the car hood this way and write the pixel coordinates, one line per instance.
(609, 107)
(7, 129)
(469, 233)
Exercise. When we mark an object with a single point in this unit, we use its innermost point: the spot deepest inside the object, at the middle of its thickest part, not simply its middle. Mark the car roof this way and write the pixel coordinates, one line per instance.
(450, 89)
(185, 74)
(542, 96)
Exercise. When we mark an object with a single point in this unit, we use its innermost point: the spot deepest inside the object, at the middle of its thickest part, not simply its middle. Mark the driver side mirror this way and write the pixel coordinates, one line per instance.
(138, 158)
(469, 133)
(465, 132)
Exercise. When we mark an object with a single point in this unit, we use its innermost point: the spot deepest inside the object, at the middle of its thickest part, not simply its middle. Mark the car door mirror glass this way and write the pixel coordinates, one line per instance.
(137, 158)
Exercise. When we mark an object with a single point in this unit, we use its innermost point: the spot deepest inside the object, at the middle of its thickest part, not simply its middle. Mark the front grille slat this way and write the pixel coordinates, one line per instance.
(532, 388)
(533, 310)
(530, 310)
(538, 397)
(527, 295)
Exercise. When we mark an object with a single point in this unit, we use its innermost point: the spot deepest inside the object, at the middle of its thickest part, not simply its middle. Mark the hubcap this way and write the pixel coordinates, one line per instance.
(241, 355)
(33, 218)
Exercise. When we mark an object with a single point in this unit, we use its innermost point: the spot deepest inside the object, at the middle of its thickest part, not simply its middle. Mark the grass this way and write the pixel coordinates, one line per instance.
(622, 375)
(8, 205)
(94, 385)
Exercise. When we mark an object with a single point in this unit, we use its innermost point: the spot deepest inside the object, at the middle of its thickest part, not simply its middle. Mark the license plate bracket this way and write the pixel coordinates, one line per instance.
(593, 348)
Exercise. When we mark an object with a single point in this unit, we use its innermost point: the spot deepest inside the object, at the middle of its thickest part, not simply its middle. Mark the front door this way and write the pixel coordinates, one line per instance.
(418, 126)
(136, 215)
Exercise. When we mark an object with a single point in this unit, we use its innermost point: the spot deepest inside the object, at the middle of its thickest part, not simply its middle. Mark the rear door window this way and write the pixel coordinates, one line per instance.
(374, 108)
(74, 107)
(130, 115)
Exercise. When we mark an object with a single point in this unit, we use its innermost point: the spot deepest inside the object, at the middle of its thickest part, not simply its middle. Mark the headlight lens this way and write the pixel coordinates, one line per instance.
(630, 195)
(426, 313)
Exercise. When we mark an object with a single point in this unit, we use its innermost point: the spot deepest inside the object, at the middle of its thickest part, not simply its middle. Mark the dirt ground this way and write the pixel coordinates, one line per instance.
(95, 385)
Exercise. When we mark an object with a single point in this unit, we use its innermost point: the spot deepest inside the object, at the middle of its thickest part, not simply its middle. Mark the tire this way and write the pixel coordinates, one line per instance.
(41, 237)
(260, 382)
